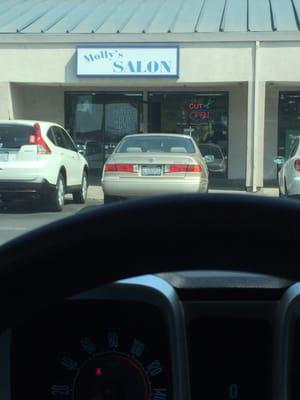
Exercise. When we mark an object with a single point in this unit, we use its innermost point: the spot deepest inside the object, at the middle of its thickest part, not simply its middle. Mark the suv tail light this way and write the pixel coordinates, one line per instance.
(42, 147)
(120, 168)
(173, 168)
(297, 165)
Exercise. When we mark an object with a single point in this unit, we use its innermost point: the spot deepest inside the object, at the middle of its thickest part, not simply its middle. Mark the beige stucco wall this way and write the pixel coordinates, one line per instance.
(43, 103)
(5, 101)
(237, 132)
(280, 61)
(17, 101)
(38, 63)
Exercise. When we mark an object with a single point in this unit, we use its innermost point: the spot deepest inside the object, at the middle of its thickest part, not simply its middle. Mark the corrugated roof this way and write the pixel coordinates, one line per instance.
(148, 16)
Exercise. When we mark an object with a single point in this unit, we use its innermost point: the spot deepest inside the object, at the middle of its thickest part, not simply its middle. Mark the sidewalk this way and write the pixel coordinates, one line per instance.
(270, 192)
(96, 192)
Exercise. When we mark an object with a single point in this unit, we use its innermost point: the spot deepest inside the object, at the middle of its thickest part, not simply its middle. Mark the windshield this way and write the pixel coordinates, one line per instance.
(156, 144)
(107, 101)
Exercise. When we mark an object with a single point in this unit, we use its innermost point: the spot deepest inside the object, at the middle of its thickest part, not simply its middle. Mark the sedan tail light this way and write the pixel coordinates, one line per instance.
(297, 165)
(194, 168)
(173, 168)
(42, 147)
(120, 168)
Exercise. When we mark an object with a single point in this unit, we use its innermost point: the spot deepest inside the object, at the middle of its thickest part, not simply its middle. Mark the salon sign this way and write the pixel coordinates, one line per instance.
(128, 61)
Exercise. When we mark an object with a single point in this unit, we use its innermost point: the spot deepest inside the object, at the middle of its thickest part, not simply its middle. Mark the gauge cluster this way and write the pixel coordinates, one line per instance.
(93, 349)
(147, 339)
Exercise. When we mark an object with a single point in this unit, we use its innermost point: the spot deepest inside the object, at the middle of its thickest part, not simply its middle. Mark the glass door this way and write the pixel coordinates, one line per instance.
(98, 121)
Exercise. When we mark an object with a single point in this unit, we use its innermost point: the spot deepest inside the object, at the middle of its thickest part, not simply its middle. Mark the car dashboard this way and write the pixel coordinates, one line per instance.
(189, 335)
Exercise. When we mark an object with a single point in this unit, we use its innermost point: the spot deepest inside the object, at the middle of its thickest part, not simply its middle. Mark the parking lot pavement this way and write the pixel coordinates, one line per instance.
(21, 217)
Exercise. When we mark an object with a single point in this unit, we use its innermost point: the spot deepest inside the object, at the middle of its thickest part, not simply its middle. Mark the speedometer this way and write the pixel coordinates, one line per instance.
(113, 374)
(93, 351)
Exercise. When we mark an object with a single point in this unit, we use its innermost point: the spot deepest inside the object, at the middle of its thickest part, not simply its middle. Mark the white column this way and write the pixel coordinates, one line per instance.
(259, 131)
(250, 134)
(255, 126)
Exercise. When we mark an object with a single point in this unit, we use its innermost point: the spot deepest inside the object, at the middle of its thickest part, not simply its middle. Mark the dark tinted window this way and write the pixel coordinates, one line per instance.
(15, 136)
(156, 144)
(51, 136)
(59, 137)
(69, 142)
(93, 148)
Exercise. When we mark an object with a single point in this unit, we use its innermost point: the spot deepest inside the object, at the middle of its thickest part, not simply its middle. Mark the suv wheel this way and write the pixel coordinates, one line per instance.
(80, 195)
(57, 198)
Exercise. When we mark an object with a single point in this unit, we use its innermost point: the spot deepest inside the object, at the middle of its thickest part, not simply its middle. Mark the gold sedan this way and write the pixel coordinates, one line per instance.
(154, 164)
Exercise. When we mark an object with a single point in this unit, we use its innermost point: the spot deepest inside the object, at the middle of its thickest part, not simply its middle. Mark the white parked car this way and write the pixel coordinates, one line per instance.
(40, 158)
(289, 173)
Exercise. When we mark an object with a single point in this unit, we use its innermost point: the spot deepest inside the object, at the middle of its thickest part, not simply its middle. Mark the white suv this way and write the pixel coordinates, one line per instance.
(41, 158)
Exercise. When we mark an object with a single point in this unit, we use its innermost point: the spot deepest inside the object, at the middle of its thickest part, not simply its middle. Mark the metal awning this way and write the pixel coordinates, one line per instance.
(148, 16)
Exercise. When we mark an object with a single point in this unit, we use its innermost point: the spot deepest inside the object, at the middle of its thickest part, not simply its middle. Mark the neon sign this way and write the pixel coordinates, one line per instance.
(198, 112)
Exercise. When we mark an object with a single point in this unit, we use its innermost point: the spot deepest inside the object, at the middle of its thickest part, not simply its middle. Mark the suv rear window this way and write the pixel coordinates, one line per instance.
(15, 136)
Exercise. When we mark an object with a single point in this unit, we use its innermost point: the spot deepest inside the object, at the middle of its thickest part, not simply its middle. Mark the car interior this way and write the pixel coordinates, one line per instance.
(173, 297)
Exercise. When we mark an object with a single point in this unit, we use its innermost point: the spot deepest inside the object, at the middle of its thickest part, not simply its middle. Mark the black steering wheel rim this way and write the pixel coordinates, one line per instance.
(183, 232)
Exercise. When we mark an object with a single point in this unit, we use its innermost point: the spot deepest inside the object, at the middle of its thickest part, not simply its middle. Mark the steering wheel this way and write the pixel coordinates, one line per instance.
(172, 233)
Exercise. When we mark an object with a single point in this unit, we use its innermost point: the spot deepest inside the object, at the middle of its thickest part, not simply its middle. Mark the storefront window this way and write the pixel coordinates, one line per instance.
(88, 118)
(288, 122)
(98, 121)
(204, 116)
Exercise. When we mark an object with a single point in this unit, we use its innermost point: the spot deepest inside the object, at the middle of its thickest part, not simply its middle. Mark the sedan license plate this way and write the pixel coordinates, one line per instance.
(151, 171)
(4, 156)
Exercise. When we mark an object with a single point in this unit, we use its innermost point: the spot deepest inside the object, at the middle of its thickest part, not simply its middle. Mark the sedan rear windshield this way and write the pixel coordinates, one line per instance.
(156, 144)
(15, 136)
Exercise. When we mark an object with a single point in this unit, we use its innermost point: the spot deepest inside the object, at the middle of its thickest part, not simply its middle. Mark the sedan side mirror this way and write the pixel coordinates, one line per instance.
(279, 160)
(82, 152)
